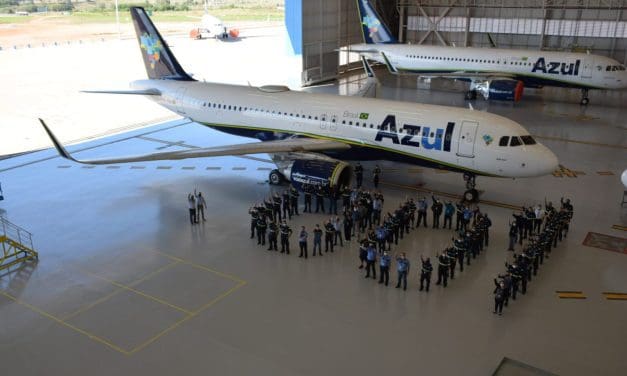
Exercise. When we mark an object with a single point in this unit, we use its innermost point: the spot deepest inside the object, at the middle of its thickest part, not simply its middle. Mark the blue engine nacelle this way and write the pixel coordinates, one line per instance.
(315, 172)
(505, 90)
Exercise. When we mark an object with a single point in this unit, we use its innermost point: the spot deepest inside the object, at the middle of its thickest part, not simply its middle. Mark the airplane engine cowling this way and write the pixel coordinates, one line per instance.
(505, 90)
(323, 172)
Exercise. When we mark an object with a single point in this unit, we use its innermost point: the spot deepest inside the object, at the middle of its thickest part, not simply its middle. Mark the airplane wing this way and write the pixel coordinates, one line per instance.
(279, 146)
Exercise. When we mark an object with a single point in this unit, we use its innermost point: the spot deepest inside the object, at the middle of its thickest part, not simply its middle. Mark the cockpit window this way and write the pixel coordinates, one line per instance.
(515, 141)
(504, 141)
(528, 140)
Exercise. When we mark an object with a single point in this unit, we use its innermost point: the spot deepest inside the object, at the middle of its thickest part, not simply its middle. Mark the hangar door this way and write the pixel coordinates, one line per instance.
(321, 34)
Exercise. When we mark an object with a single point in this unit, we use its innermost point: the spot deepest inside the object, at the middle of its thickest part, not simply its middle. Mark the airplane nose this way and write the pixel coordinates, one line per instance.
(548, 162)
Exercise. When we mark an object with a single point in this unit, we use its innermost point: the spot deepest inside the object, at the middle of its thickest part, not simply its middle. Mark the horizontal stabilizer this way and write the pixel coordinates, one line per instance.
(131, 92)
(279, 146)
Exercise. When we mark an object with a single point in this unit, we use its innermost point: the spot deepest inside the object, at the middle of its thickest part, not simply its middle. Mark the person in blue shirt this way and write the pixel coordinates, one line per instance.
(402, 267)
(384, 267)
(371, 258)
(449, 210)
(317, 244)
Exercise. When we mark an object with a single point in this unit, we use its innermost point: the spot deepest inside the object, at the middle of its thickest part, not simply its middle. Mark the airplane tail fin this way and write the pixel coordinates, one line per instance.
(159, 60)
(374, 31)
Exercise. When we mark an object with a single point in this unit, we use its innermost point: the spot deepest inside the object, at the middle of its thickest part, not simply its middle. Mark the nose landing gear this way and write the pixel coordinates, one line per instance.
(584, 97)
(471, 194)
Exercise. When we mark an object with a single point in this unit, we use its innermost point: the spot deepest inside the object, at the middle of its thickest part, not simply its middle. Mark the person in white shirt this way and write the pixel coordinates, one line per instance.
(191, 201)
(201, 204)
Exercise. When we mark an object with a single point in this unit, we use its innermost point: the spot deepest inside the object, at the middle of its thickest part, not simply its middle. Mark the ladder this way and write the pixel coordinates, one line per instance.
(16, 245)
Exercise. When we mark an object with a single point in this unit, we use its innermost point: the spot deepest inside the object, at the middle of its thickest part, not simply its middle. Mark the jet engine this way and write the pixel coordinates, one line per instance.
(500, 89)
(325, 172)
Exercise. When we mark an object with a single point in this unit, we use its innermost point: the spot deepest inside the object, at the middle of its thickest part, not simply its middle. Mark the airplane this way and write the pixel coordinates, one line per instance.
(310, 136)
(212, 27)
(495, 73)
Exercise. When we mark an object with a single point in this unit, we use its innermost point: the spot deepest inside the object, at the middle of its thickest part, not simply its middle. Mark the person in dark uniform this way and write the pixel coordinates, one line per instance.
(273, 231)
(286, 231)
(487, 223)
(302, 241)
(261, 230)
(436, 208)
(276, 208)
(307, 190)
(319, 198)
(443, 265)
(513, 233)
(384, 268)
(287, 211)
(363, 252)
(460, 249)
(317, 240)
(371, 259)
(459, 218)
(254, 215)
(402, 268)
(499, 297)
(375, 176)
(359, 174)
(329, 232)
(425, 273)
(348, 226)
(451, 253)
(294, 200)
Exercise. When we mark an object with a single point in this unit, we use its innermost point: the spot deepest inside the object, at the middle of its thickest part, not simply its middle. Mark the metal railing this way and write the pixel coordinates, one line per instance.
(16, 233)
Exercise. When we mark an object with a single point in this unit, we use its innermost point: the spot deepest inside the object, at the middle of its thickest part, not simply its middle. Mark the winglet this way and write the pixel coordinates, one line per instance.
(62, 151)
(388, 63)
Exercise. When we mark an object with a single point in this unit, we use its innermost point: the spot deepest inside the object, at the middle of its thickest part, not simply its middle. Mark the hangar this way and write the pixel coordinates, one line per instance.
(123, 281)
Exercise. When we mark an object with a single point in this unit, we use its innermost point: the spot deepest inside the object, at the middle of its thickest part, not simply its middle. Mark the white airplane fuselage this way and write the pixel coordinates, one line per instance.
(533, 68)
(435, 136)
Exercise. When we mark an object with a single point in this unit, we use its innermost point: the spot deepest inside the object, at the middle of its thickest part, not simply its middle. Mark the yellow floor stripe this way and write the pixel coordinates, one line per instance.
(570, 295)
(605, 173)
(615, 296)
(619, 227)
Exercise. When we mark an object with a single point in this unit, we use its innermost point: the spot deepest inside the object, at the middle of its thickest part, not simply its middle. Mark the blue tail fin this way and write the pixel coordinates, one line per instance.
(159, 61)
(374, 31)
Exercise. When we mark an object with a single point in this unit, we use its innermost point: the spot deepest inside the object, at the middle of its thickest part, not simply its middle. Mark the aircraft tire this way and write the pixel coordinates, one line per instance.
(471, 195)
(471, 95)
(275, 177)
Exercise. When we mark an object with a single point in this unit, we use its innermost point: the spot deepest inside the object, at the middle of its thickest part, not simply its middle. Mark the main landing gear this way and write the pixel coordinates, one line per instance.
(471, 194)
(471, 95)
(275, 177)
(584, 97)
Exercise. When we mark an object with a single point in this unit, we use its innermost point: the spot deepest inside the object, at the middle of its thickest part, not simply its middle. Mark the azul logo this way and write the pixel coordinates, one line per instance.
(556, 67)
(152, 47)
(372, 24)
(417, 136)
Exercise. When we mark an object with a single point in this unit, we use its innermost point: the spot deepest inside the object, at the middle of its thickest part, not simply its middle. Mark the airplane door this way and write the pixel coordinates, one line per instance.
(466, 141)
(586, 69)
(178, 98)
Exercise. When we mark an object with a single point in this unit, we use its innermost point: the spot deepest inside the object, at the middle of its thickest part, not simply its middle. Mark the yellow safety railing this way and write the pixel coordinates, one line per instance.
(16, 244)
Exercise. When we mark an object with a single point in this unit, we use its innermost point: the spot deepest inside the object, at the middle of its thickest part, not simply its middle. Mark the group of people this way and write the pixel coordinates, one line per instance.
(554, 225)
(470, 243)
(196, 204)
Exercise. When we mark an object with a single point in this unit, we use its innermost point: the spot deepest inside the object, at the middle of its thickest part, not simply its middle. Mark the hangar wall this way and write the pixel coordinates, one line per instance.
(598, 26)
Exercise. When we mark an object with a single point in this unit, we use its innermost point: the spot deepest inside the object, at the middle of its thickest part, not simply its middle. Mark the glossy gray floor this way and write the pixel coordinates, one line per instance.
(125, 285)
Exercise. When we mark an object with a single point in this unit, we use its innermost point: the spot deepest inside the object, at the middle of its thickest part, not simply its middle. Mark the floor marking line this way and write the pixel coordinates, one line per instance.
(563, 294)
(225, 275)
(154, 298)
(581, 142)
(619, 227)
(58, 320)
(193, 314)
(103, 299)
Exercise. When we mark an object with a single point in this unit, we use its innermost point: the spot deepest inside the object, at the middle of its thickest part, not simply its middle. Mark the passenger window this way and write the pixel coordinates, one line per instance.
(528, 140)
(515, 141)
(504, 141)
